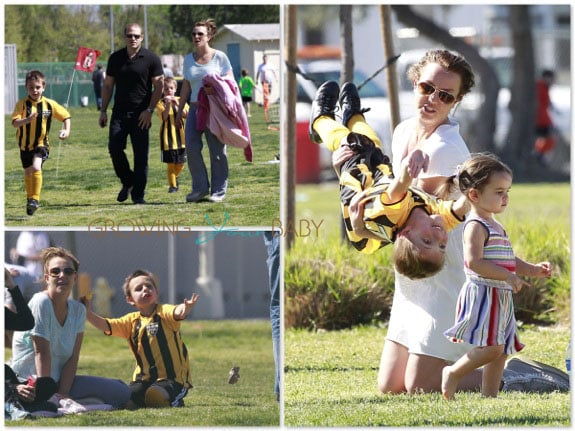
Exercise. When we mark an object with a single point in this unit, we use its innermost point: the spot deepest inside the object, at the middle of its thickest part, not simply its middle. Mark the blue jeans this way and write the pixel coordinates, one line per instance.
(110, 391)
(196, 165)
(272, 242)
(123, 125)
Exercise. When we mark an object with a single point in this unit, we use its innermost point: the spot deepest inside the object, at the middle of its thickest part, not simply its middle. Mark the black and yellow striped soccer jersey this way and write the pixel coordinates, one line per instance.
(35, 133)
(156, 343)
(171, 137)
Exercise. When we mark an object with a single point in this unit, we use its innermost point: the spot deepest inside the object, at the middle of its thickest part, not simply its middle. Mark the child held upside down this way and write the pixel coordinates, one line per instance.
(162, 374)
(393, 211)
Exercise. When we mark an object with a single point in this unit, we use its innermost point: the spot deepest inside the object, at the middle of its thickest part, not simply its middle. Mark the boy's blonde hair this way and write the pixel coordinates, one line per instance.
(170, 81)
(408, 262)
(138, 273)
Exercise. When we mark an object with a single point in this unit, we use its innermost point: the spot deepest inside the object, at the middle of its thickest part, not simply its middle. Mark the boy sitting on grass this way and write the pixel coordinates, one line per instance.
(162, 375)
(393, 211)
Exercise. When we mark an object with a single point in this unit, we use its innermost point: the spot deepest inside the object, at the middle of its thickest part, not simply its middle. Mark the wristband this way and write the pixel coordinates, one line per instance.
(150, 110)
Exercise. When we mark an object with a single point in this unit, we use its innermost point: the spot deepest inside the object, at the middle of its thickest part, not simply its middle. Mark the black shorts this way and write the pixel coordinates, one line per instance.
(176, 391)
(246, 99)
(27, 157)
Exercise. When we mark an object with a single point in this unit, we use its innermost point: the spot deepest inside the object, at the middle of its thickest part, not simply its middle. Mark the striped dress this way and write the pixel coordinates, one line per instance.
(484, 313)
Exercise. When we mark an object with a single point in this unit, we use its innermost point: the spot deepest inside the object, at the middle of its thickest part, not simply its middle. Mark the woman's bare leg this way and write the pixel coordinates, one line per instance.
(392, 366)
(424, 374)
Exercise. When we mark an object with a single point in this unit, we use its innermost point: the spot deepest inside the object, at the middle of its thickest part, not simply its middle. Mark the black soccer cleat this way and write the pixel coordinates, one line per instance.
(325, 103)
(349, 102)
(31, 206)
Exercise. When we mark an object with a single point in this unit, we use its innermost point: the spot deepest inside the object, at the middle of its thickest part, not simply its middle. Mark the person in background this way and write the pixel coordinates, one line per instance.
(247, 86)
(168, 73)
(545, 141)
(266, 75)
(98, 80)
(272, 243)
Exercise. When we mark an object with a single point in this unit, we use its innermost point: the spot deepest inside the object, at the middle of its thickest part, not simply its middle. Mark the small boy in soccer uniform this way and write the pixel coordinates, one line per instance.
(33, 117)
(394, 212)
(162, 375)
(172, 137)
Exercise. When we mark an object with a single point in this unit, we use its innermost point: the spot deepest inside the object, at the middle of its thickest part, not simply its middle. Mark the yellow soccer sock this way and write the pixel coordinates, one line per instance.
(36, 185)
(357, 124)
(178, 168)
(330, 131)
(172, 175)
(28, 185)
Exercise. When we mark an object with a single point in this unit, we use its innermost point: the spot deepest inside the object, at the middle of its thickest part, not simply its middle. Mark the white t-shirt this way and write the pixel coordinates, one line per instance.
(61, 337)
(194, 72)
(423, 309)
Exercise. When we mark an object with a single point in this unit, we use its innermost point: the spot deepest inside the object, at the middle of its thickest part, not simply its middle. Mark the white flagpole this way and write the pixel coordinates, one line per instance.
(67, 107)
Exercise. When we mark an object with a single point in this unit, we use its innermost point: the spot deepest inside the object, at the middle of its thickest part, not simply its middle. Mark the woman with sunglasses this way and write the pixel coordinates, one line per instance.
(52, 347)
(204, 60)
(415, 349)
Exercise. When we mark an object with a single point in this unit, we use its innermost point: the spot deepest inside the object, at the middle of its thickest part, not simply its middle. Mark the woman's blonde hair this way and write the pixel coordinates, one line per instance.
(50, 253)
(210, 25)
(449, 61)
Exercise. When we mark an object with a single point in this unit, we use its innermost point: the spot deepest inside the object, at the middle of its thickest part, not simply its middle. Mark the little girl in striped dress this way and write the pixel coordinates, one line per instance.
(484, 314)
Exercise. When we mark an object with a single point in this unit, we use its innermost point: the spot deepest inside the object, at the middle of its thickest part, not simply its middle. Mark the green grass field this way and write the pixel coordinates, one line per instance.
(80, 186)
(214, 346)
(330, 380)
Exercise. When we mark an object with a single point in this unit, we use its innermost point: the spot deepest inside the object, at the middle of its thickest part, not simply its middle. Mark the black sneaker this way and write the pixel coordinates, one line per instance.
(31, 206)
(349, 102)
(123, 195)
(173, 189)
(325, 103)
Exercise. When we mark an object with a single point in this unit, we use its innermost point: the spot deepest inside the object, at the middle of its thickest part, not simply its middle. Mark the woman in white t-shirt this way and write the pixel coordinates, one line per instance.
(203, 61)
(415, 350)
(52, 347)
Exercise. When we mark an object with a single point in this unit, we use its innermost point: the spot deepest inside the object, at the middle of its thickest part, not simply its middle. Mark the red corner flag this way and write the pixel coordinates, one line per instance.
(86, 59)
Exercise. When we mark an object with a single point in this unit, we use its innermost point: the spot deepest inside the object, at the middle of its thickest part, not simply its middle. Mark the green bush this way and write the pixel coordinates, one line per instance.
(330, 285)
(333, 286)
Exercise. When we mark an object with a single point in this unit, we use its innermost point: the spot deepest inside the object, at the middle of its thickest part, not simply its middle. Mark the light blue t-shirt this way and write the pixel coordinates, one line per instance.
(194, 72)
(61, 337)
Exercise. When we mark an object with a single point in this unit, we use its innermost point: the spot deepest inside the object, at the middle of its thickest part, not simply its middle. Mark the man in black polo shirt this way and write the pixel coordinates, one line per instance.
(133, 71)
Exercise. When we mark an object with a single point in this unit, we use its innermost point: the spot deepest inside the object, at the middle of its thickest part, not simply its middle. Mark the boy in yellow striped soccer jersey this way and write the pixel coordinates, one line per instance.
(33, 116)
(162, 375)
(172, 137)
(393, 210)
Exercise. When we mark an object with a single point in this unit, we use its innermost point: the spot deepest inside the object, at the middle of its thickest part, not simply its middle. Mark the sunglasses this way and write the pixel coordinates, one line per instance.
(55, 272)
(428, 89)
(133, 36)
(199, 34)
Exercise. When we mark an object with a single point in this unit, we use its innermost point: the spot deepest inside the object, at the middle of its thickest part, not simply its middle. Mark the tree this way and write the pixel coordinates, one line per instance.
(484, 126)
(521, 138)
(183, 17)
